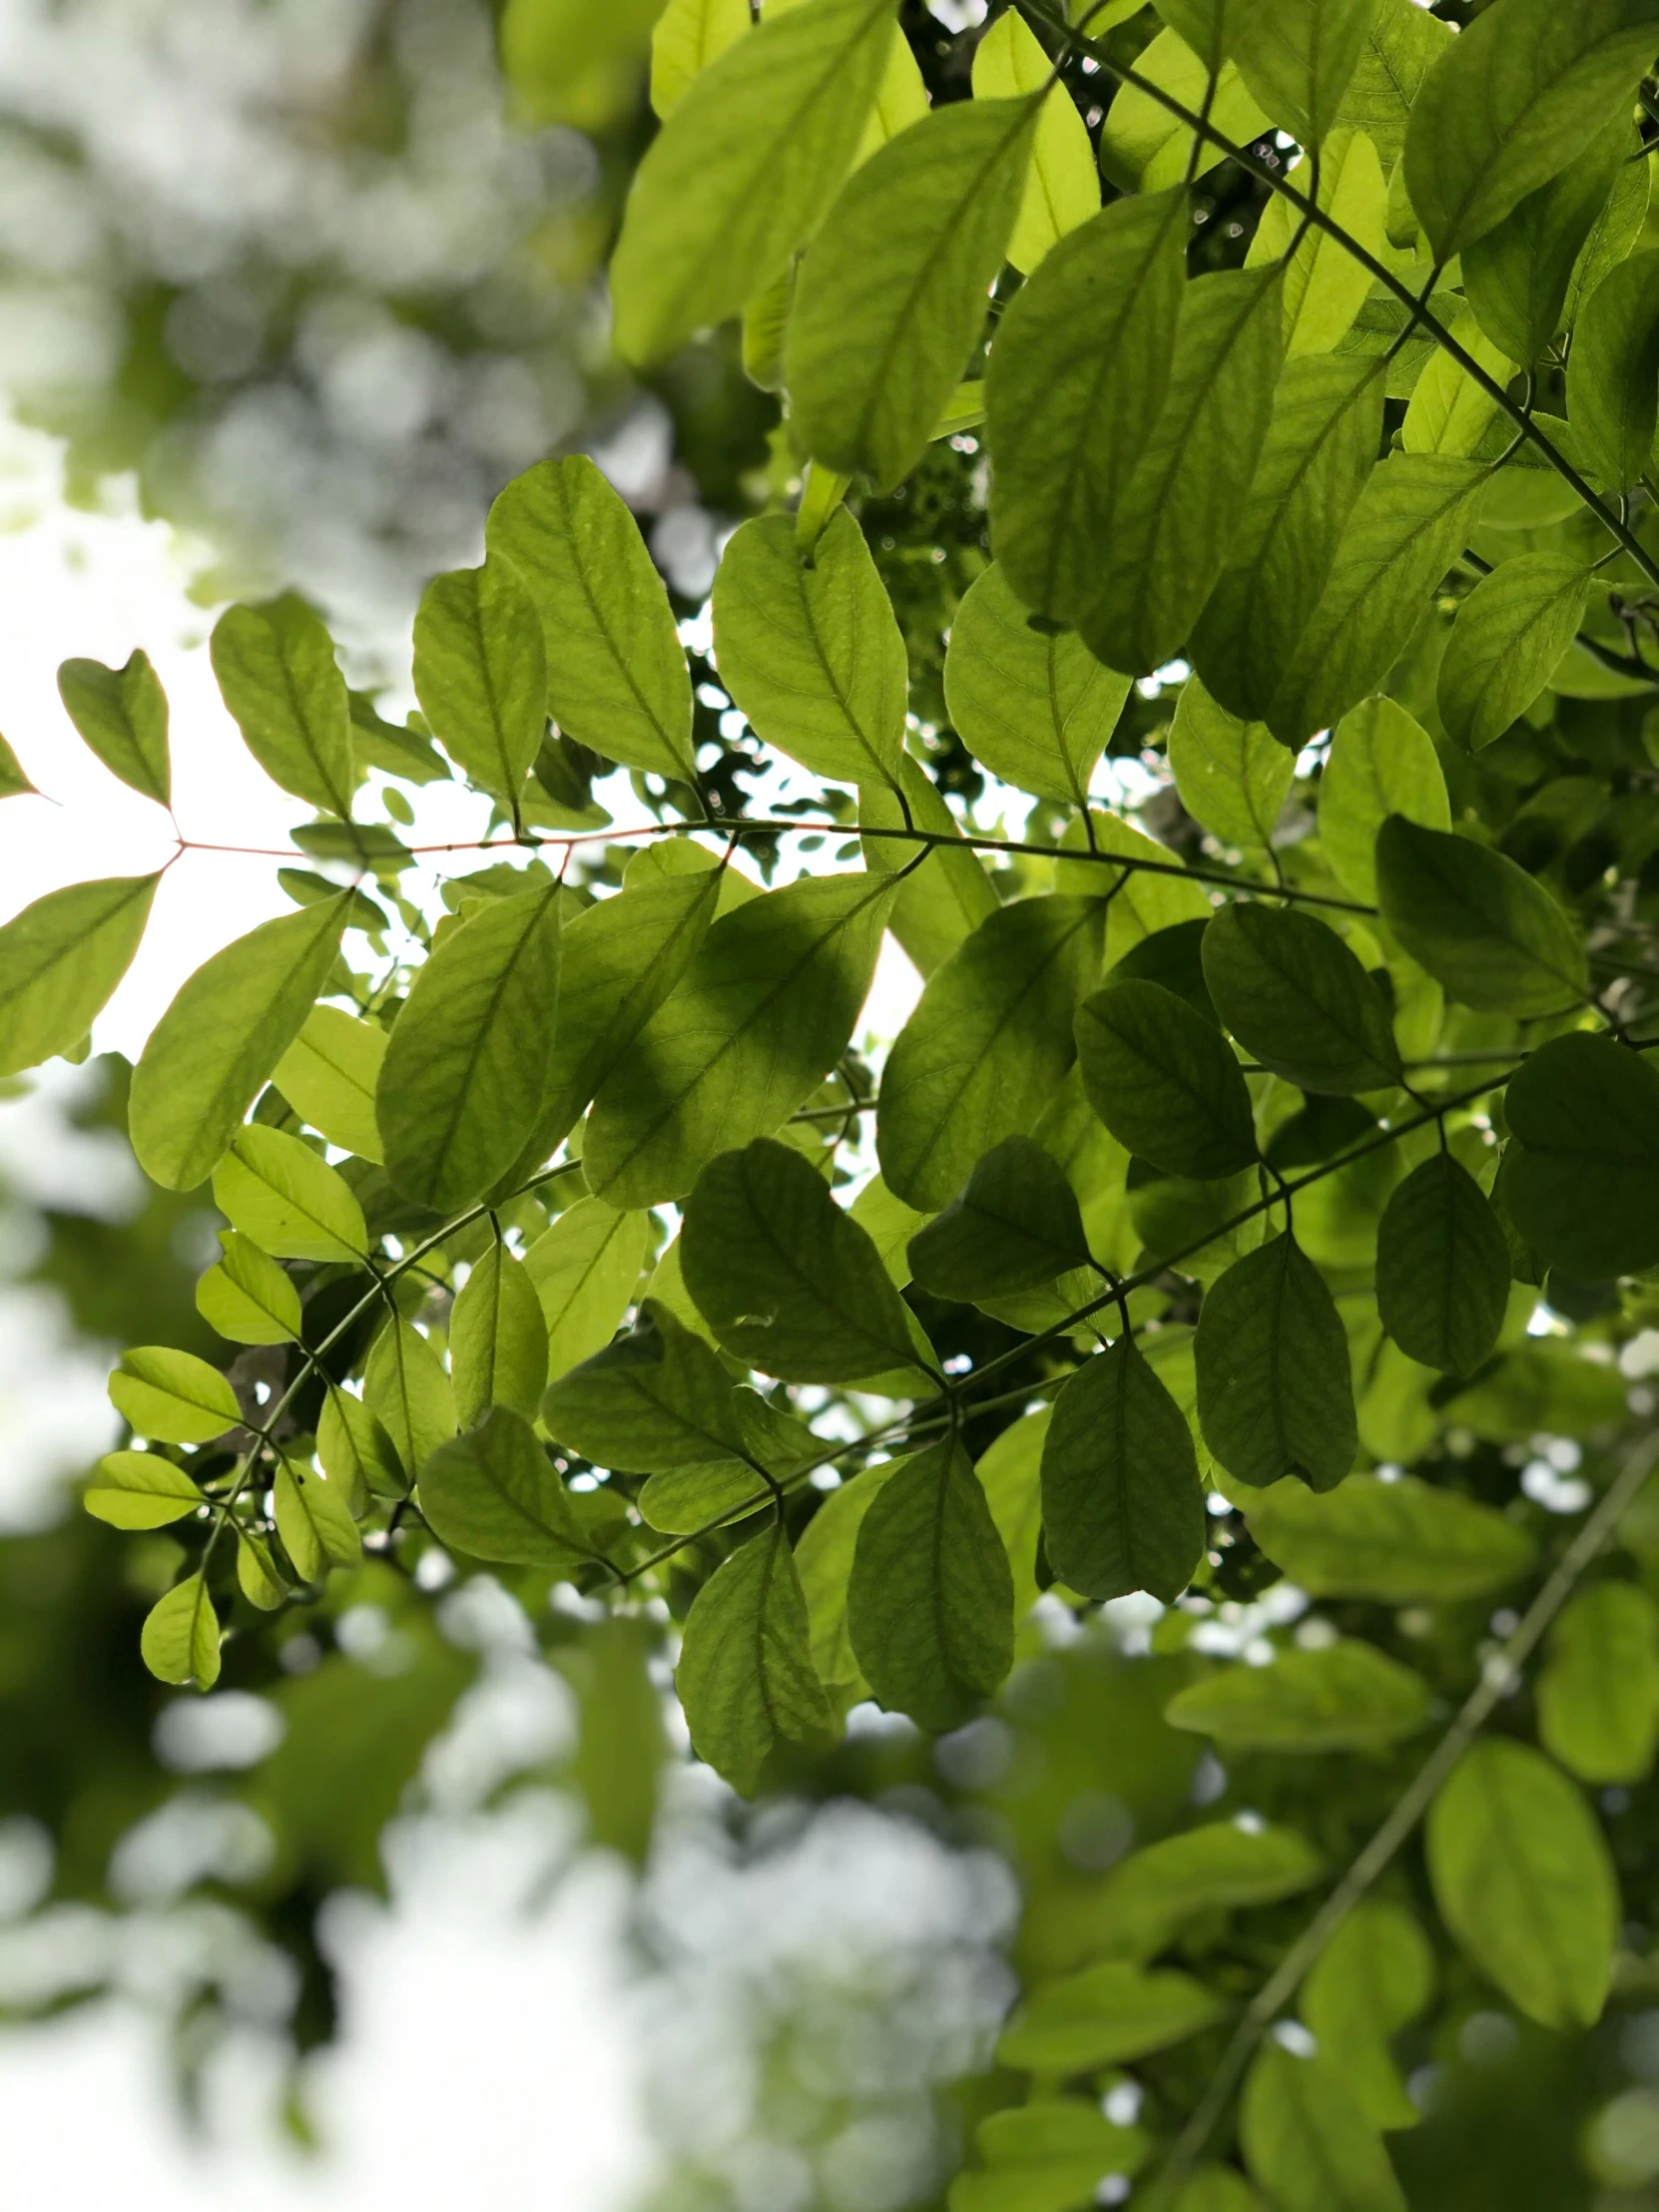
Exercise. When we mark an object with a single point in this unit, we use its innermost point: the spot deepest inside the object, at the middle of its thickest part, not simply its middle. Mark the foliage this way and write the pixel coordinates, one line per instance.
(1229, 1161)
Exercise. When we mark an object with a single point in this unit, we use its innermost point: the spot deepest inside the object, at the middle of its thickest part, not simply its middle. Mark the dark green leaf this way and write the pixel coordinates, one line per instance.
(1121, 1505)
(1515, 98)
(1173, 958)
(1105, 2015)
(1443, 1268)
(979, 1058)
(885, 311)
(1306, 2140)
(497, 1340)
(763, 1014)
(221, 1038)
(278, 674)
(1479, 924)
(617, 680)
(1524, 1883)
(1013, 1227)
(786, 1280)
(1073, 389)
(480, 674)
(745, 1674)
(1516, 276)
(655, 1401)
(810, 647)
(1296, 998)
(1320, 451)
(1164, 1080)
(467, 1071)
(1036, 707)
(495, 1493)
(1400, 1542)
(743, 169)
(59, 962)
(929, 1606)
(1344, 1696)
(1275, 1396)
(1581, 1173)
(1380, 763)
(1184, 504)
(121, 713)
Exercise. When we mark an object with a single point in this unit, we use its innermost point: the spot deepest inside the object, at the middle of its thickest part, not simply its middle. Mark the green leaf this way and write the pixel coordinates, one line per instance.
(1513, 98)
(810, 649)
(1345, 1696)
(1146, 148)
(765, 1012)
(1318, 455)
(1516, 276)
(60, 959)
(1222, 2188)
(121, 714)
(1380, 763)
(1298, 57)
(287, 1199)
(1275, 1396)
(688, 1500)
(900, 100)
(1105, 2015)
(742, 169)
(468, 1068)
(585, 1270)
(929, 1606)
(979, 1058)
(1405, 531)
(1443, 1268)
(1232, 775)
(247, 1297)
(1613, 372)
(824, 1557)
(221, 1038)
(13, 783)
(1036, 707)
(1073, 389)
(138, 1489)
(180, 1638)
(1325, 285)
(1508, 640)
(329, 1076)
(356, 1452)
(1164, 1080)
(1581, 1172)
(1063, 185)
(1400, 1542)
(886, 313)
(1373, 1978)
(173, 1397)
(619, 960)
(1615, 230)
(786, 1280)
(279, 677)
(1051, 2152)
(1402, 44)
(1523, 1881)
(688, 35)
(408, 1394)
(940, 904)
(315, 1523)
(1014, 1226)
(653, 1401)
(1297, 1000)
(1121, 1505)
(746, 1675)
(495, 1493)
(1148, 1898)
(1479, 924)
(1185, 501)
(1306, 2140)
(617, 680)
(1598, 1693)
(497, 1340)
(480, 674)
(1450, 413)
(258, 1577)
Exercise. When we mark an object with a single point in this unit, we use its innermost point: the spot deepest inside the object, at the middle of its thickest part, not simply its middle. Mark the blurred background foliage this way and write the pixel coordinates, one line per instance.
(322, 275)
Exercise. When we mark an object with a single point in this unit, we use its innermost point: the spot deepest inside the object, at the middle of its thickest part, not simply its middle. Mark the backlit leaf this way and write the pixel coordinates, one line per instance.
(1598, 1693)
(495, 1493)
(1400, 1542)
(480, 674)
(312, 1519)
(497, 1340)
(60, 959)
(1063, 185)
(407, 1391)
(329, 1076)
(279, 677)
(246, 1297)
(287, 1198)
(173, 1397)
(1373, 1977)
(1341, 1697)
(746, 1675)
(179, 1639)
(1232, 775)
(585, 1270)
(121, 713)
(1122, 1507)
(1275, 1396)
(1014, 1226)
(1306, 2140)
(1516, 276)
(1105, 2015)
(1380, 763)
(138, 1489)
